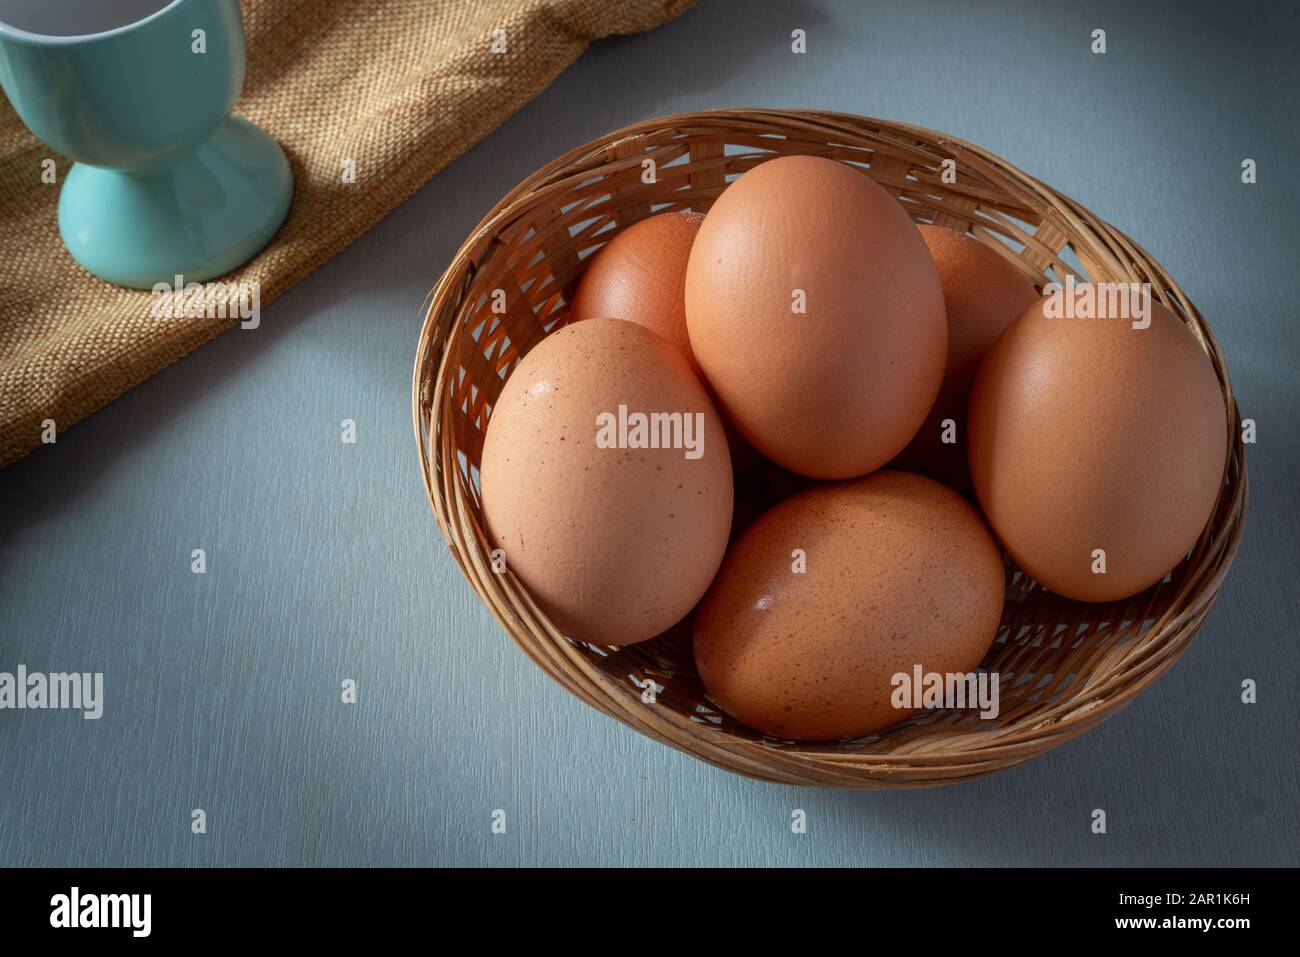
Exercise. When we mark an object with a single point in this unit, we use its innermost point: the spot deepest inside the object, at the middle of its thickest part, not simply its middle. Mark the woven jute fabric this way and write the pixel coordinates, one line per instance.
(398, 87)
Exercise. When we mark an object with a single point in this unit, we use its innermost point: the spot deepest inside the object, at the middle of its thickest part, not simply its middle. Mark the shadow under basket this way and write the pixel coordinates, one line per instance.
(1064, 665)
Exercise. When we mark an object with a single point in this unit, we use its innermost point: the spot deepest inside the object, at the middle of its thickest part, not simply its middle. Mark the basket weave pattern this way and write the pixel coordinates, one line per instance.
(1064, 665)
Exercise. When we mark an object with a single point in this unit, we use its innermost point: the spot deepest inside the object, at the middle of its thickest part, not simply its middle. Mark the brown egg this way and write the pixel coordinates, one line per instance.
(982, 295)
(815, 311)
(1090, 434)
(639, 276)
(614, 540)
(899, 572)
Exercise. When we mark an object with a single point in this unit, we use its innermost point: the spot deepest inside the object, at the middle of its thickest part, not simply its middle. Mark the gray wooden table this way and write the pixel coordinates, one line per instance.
(223, 689)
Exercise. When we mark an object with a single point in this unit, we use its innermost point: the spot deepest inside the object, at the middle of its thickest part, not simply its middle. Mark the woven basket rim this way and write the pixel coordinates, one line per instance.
(568, 664)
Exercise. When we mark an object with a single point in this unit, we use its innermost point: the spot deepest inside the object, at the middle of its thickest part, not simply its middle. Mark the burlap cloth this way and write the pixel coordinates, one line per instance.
(402, 87)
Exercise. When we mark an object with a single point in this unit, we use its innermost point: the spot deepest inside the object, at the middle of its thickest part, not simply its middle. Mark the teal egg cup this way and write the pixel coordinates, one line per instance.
(166, 182)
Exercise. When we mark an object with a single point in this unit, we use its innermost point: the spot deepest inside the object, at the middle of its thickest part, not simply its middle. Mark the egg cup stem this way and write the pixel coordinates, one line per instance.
(212, 209)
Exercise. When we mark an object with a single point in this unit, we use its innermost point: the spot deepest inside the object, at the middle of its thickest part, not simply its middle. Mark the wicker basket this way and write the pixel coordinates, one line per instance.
(1064, 665)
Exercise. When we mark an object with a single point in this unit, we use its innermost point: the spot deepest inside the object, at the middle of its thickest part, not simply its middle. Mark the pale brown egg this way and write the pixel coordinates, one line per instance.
(639, 275)
(815, 311)
(615, 540)
(898, 571)
(982, 295)
(1097, 449)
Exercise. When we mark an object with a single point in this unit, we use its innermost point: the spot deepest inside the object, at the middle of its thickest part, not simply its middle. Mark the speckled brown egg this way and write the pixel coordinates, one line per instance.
(616, 541)
(982, 295)
(815, 311)
(899, 572)
(1097, 449)
(640, 274)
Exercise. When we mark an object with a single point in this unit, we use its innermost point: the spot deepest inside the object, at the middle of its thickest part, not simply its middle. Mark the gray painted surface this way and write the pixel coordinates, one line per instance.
(324, 562)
